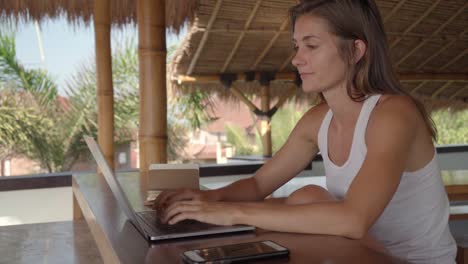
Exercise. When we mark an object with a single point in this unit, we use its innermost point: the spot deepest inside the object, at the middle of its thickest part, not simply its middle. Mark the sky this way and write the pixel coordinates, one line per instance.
(66, 47)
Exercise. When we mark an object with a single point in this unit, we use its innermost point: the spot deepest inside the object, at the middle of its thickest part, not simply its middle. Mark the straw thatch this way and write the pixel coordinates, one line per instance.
(235, 36)
(76, 11)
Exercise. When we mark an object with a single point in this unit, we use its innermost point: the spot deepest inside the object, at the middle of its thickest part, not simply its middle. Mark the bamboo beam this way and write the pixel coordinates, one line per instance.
(415, 23)
(244, 99)
(433, 76)
(418, 87)
(460, 55)
(441, 89)
(153, 99)
(265, 122)
(446, 46)
(241, 36)
(285, 76)
(201, 45)
(287, 61)
(394, 10)
(458, 92)
(285, 97)
(105, 93)
(272, 31)
(270, 44)
(411, 52)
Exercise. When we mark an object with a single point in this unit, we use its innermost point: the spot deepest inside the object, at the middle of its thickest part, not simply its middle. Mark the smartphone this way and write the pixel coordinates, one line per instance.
(235, 252)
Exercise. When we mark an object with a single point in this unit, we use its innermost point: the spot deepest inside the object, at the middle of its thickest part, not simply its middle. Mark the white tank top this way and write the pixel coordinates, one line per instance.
(414, 225)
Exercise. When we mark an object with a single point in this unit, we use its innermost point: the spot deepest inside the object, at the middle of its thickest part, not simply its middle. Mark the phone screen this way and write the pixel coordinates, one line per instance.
(243, 250)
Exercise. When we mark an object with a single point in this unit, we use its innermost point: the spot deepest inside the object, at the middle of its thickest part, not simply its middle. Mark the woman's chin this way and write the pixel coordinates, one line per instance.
(310, 89)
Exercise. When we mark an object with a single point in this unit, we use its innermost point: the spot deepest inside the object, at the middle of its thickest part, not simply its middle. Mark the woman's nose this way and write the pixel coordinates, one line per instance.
(297, 59)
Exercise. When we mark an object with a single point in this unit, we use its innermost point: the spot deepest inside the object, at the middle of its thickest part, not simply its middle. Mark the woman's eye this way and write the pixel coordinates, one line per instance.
(311, 46)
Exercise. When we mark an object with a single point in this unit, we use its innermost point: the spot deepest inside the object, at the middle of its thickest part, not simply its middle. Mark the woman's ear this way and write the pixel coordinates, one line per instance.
(360, 48)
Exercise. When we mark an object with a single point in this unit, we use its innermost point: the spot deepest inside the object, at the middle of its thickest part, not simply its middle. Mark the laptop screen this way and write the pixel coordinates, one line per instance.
(112, 181)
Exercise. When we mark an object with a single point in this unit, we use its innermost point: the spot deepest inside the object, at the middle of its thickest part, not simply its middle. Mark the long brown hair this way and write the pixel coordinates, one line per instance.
(350, 20)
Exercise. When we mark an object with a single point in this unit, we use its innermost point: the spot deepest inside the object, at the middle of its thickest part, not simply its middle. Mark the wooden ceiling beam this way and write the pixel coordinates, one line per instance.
(453, 96)
(394, 10)
(415, 23)
(418, 87)
(460, 55)
(446, 46)
(287, 61)
(441, 89)
(241, 36)
(284, 76)
(271, 31)
(270, 44)
(201, 45)
(411, 52)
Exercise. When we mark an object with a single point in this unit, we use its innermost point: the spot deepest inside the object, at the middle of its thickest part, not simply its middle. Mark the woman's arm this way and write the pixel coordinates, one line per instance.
(291, 159)
(389, 139)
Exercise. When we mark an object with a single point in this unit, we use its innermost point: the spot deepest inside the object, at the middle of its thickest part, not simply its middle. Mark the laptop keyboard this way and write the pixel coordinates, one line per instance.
(151, 218)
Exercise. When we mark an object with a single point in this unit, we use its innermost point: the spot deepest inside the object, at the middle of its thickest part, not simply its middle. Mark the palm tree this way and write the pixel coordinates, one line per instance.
(27, 105)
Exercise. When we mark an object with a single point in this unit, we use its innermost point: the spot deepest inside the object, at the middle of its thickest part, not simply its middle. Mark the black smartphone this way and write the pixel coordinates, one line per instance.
(235, 252)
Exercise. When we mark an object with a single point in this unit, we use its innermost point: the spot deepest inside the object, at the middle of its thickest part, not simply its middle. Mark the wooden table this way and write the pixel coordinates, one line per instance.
(119, 242)
(57, 242)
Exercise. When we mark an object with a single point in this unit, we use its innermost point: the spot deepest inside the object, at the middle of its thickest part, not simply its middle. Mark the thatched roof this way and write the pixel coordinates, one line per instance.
(428, 40)
(76, 11)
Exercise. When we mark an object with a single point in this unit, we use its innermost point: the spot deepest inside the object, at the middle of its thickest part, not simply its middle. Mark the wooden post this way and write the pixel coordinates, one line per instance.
(265, 122)
(153, 99)
(105, 94)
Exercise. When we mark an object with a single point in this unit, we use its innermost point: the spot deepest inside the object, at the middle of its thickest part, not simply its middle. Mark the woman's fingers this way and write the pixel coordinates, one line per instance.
(186, 194)
(161, 200)
(180, 207)
(185, 216)
(166, 198)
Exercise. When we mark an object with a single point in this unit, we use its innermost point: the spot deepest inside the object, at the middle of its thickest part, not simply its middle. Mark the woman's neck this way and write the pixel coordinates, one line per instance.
(345, 110)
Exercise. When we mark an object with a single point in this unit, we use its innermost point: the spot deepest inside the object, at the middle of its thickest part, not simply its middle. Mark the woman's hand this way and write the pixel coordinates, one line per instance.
(166, 198)
(218, 213)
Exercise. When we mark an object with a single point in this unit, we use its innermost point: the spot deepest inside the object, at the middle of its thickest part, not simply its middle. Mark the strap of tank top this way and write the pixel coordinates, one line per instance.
(363, 119)
(323, 135)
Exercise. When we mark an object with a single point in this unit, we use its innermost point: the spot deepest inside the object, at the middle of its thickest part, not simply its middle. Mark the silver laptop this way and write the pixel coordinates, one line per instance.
(147, 222)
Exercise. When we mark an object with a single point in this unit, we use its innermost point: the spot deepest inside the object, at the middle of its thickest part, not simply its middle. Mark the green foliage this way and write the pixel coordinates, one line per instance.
(13, 74)
(82, 96)
(238, 138)
(452, 126)
(195, 107)
(35, 123)
(282, 124)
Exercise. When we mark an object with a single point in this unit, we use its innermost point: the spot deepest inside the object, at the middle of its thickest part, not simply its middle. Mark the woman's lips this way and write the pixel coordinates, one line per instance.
(305, 74)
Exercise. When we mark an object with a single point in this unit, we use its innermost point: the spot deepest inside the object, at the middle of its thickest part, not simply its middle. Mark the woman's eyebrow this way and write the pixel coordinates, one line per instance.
(305, 38)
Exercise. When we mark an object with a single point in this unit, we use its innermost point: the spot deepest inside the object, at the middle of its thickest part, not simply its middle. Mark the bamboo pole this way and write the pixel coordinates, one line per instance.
(265, 122)
(153, 99)
(105, 93)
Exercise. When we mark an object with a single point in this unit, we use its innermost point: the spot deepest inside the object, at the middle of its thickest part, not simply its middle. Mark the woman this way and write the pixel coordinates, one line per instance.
(376, 142)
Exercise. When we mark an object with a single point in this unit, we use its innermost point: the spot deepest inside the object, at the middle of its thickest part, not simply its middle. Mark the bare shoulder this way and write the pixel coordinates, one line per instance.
(394, 114)
(398, 124)
(310, 122)
(397, 108)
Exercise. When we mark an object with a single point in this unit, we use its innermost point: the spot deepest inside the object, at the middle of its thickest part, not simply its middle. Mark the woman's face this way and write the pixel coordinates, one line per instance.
(317, 57)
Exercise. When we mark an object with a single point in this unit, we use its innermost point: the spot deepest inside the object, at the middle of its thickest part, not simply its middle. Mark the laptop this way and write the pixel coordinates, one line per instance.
(147, 222)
